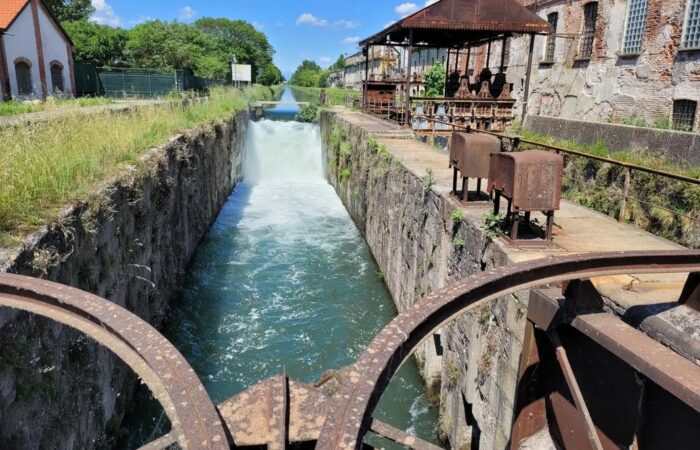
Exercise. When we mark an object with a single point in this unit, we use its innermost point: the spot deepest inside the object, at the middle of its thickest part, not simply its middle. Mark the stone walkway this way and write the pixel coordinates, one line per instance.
(577, 230)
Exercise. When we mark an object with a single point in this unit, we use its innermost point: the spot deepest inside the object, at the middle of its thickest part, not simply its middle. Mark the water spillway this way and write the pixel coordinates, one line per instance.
(283, 281)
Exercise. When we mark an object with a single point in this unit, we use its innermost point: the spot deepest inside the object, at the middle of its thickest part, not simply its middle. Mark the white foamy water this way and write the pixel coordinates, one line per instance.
(283, 151)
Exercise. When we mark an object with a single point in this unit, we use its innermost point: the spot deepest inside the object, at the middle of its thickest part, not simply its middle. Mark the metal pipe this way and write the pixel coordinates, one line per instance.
(503, 53)
(526, 95)
(488, 55)
(407, 100)
(364, 86)
(447, 71)
(557, 148)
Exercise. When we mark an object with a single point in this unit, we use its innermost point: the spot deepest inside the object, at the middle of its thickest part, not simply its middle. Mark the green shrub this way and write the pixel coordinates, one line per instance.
(307, 114)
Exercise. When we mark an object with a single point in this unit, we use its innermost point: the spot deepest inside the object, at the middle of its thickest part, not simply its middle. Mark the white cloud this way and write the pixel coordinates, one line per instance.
(140, 20)
(310, 19)
(350, 40)
(104, 14)
(389, 23)
(186, 13)
(430, 2)
(325, 60)
(405, 9)
(258, 25)
(346, 24)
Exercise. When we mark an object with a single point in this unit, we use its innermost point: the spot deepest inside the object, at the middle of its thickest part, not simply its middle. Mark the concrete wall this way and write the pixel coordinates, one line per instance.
(420, 248)
(130, 243)
(681, 148)
(21, 43)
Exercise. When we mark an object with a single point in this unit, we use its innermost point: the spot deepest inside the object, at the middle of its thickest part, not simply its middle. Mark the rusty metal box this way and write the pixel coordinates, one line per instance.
(531, 180)
(470, 153)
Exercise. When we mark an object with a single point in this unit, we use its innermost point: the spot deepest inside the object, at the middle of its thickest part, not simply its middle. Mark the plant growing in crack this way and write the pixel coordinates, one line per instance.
(494, 224)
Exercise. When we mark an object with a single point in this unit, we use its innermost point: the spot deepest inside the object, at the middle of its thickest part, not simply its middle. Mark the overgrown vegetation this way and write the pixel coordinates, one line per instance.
(660, 205)
(435, 79)
(335, 96)
(51, 104)
(307, 114)
(46, 166)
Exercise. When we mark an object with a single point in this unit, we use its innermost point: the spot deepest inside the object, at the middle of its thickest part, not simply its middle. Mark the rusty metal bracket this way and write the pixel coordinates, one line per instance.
(690, 296)
(579, 401)
(196, 423)
(351, 415)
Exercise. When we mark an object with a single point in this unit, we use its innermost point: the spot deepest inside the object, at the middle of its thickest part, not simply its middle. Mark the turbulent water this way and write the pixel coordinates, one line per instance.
(283, 281)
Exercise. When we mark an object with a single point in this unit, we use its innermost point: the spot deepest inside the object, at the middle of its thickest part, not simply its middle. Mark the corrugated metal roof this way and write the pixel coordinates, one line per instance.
(470, 16)
(9, 9)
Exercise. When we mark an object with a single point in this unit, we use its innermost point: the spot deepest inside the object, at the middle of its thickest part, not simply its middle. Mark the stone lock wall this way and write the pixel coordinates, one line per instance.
(130, 243)
(421, 247)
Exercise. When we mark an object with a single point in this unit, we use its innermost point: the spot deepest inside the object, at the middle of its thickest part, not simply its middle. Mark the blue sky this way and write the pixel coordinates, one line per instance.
(319, 30)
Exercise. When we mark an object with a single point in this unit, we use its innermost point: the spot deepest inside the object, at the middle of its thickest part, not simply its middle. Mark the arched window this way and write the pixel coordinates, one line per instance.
(57, 77)
(23, 72)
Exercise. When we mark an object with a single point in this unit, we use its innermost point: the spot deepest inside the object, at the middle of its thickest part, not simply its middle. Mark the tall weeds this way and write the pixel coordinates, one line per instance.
(46, 166)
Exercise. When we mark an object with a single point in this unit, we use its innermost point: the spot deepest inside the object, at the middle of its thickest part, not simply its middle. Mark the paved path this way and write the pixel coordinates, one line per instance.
(577, 229)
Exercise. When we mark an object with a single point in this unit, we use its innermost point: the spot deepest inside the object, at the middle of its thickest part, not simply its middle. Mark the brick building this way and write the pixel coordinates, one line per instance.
(615, 60)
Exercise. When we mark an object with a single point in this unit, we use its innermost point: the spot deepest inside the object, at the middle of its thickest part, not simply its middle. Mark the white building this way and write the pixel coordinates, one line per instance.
(36, 54)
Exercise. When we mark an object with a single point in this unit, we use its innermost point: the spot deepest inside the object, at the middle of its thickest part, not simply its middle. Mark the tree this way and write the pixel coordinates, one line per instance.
(158, 44)
(238, 38)
(435, 79)
(70, 10)
(339, 64)
(308, 74)
(270, 75)
(99, 44)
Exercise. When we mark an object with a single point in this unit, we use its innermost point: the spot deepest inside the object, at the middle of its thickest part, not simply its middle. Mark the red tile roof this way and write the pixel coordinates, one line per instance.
(9, 10)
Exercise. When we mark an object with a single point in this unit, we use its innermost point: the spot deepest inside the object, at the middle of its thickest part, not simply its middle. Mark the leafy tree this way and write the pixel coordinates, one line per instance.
(99, 44)
(270, 75)
(339, 64)
(174, 45)
(435, 79)
(70, 10)
(308, 74)
(239, 38)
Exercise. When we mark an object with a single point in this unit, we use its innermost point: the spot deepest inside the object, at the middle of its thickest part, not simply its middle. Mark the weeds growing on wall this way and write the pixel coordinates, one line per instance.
(308, 114)
(660, 205)
(46, 166)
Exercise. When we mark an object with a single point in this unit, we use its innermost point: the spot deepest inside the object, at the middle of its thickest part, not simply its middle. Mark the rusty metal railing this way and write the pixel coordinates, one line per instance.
(350, 419)
(197, 423)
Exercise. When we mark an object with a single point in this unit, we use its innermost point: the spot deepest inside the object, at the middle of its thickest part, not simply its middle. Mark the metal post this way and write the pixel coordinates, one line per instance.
(625, 195)
(503, 53)
(364, 85)
(407, 100)
(488, 56)
(469, 58)
(447, 71)
(526, 95)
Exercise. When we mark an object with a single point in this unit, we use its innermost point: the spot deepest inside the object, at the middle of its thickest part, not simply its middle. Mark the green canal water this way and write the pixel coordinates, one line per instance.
(283, 280)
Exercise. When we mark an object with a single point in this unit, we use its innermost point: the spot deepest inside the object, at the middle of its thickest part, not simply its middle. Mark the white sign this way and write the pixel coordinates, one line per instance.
(241, 72)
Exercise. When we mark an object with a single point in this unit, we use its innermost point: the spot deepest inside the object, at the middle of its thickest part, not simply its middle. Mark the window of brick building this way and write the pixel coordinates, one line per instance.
(553, 20)
(23, 72)
(590, 15)
(691, 30)
(636, 19)
(684, 114)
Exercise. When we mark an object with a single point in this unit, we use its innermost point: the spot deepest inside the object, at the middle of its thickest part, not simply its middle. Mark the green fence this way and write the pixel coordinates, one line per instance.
(137, 83)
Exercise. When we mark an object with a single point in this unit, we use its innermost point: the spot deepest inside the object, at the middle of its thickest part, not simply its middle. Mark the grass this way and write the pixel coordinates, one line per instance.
(644, 159)
(51, 104)
(336, 96)
(45, 167)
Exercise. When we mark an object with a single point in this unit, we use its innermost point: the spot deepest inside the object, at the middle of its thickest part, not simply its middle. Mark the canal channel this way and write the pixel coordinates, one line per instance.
(283, 281)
